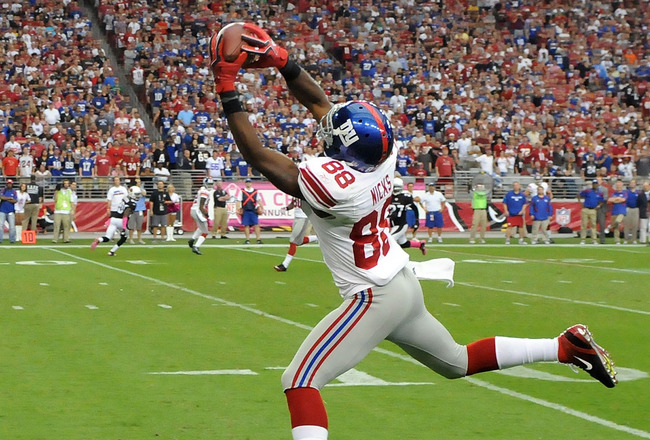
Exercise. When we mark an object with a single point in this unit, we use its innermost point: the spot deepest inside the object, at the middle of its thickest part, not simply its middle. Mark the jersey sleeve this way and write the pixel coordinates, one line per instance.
(317, 186)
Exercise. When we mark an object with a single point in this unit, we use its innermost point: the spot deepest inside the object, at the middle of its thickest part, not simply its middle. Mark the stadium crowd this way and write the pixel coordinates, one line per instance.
(509, 87)
(512, 88)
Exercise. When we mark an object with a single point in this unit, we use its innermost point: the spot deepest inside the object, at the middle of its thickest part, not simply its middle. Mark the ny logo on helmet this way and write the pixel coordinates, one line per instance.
(346, 133)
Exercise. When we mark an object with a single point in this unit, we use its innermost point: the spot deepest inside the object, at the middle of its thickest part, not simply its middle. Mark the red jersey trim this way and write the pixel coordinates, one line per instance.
(317, 189)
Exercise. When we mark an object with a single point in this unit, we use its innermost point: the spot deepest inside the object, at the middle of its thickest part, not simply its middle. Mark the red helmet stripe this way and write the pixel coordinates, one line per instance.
(382, 127)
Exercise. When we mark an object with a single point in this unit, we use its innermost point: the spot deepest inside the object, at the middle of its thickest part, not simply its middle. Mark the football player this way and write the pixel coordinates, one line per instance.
(401, 201)
(298, 233)
(200, 214)
(119, 219)
(347, 194)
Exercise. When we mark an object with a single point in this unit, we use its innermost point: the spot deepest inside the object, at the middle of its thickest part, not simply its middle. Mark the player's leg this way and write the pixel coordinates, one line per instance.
(201, 231)
(110, 230)
(120, 242)
(337, 343)
(424, 338)
(427, 340)
(297, 238)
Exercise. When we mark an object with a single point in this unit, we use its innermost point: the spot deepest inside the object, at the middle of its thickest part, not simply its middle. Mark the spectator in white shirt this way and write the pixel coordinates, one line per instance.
(51, 115)
(486, 162)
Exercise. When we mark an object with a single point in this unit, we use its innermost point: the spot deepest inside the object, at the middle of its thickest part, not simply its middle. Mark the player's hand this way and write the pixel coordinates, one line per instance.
(266, 52)
(210, 224)
(224, 72)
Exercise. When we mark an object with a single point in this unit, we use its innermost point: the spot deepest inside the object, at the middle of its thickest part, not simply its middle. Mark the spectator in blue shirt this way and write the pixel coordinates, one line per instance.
(403, 162)
(514, 204)
(186, 115)
(8, 199)
(55, 164)
(619, 209)
(593, 199)
(541, 211)
(243, 169)
(69, 165)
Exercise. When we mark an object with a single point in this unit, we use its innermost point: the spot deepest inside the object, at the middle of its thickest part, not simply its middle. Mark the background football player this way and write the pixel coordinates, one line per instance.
(399, 205)
(119, 219)
(200, 214)
(298, 233)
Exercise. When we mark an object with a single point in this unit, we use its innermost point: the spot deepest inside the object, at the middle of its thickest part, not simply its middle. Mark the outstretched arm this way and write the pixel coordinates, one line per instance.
(309, 93)
(278, 168)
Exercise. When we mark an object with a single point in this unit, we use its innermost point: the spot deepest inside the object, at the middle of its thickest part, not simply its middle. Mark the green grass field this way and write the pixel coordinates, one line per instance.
(82, 334)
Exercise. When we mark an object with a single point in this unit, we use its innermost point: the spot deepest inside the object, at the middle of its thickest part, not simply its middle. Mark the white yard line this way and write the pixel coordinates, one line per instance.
(561, 263)
(554, 298)
(561, 408)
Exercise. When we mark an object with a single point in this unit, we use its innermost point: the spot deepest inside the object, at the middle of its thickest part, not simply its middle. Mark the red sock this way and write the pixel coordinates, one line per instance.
(292, 249)
(306, 407)
(481, 356)
(305, 240)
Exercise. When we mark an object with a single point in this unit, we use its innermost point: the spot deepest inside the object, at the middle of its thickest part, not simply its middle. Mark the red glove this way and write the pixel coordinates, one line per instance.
(267, 54)
(125, 223)
(224, 72)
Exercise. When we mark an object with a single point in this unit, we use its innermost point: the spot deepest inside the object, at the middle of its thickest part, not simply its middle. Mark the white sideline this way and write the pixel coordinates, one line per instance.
(555, 406)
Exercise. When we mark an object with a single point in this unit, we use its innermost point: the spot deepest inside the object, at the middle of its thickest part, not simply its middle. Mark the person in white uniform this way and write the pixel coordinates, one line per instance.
(298, 233)
(200, 214)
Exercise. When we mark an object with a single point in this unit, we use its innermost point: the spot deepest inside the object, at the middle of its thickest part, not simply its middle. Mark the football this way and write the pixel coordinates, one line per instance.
(230, 39)
(231, 42)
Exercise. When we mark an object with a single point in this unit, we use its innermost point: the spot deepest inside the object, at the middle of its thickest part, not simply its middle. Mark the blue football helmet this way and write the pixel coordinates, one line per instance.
(208, 182)
(358, 133)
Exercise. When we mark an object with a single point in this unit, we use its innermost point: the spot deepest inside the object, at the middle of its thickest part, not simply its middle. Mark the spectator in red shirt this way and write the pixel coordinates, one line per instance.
(103, 167)
(445, 167)
(115, 154)
(10, 164)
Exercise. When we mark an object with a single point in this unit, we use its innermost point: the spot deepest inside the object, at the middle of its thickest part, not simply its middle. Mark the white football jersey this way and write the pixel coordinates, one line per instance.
(202, 193)
(349, 211)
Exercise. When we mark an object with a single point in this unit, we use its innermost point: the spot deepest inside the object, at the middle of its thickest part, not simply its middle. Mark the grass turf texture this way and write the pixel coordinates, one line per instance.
(80, 339)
